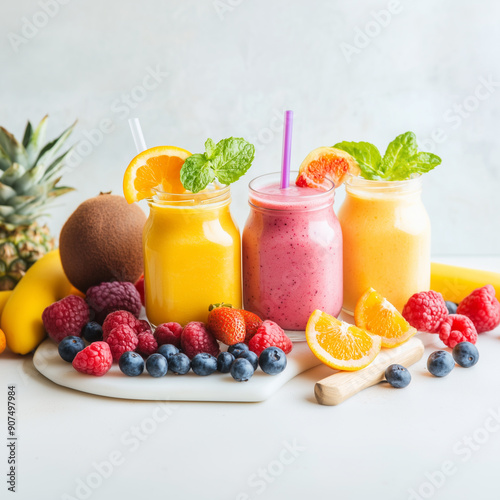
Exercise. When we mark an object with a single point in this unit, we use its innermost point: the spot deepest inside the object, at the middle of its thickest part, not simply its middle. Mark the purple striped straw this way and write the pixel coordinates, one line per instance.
(287, 149)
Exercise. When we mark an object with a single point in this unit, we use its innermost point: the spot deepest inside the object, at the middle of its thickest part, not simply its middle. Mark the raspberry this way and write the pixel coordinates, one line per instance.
(114, 296)
(457, 328)
(139, 285)
(66, 317)
(96, 359)
(425, 311)
(147, 344)
(117, 318)
(143, 326)
(169, 333)
(122, 339)
(195, 338)
(482, 307)
(270, 334)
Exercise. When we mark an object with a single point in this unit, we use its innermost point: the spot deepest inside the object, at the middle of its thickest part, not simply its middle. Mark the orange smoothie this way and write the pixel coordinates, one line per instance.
(192, 256)
(386, 233)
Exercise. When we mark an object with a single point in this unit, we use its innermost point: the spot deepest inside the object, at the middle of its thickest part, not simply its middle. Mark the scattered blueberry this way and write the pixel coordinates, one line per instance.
(241, 370)
(440, 363)
(465, 354)
(179, 364)
(204, 364)
(272, 360)
(69, 347)
(92, 332)
(239, 345)
(251, 356)
(168, 350)
(398, 376)
(451, 306)
(224, 362)
(156, 365)
(131, 364)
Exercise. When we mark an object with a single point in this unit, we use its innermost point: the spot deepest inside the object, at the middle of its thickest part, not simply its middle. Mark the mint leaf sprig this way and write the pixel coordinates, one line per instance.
(225, 161)
(400, 161)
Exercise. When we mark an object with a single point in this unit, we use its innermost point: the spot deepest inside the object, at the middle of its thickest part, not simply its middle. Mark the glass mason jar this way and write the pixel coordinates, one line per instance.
(387, 237)
(192, 255)
(292, 253)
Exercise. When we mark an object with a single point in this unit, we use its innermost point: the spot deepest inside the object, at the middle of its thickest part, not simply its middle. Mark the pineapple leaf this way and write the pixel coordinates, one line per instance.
(55, 166)
(12, 174)
(15, 151)
(4, 159)
(5, 211)
(49, 150)
(6, 193)
(18, 202)
(27, 134)
(29, 178)
(37, 138)
(60, 190)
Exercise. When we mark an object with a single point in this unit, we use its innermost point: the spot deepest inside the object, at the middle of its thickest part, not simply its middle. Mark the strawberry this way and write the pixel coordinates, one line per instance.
(252, 322)
(226, 324)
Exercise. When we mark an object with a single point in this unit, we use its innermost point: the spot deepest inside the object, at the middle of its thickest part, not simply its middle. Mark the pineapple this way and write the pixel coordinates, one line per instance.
(29, 174)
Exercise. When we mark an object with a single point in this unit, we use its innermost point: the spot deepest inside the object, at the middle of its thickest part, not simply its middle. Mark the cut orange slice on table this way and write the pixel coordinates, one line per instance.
(340, 345)
(154, 169)
(326, 163)
(377, 315)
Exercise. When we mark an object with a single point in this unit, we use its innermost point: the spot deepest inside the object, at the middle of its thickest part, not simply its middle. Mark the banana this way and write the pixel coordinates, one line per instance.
(43, 284)
(455, 283)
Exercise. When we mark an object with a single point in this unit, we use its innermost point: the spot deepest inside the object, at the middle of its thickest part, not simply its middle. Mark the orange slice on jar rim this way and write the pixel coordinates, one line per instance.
(340, 345)
(156, 169)
(378, 316)
(326, 163)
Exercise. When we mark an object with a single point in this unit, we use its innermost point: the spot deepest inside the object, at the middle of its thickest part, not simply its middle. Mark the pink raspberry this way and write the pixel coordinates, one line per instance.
(113, 296)
(169, 333)
(96, 359)
(457, 328)
(117, 318)
(482, 307)
(147, 344)
(270, 334)
(425, 311)
(66, 317)
(122, 339)
(195, 338)
(143, 326)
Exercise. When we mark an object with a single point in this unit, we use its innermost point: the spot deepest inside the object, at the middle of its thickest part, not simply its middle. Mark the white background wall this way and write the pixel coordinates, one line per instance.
(230, 67)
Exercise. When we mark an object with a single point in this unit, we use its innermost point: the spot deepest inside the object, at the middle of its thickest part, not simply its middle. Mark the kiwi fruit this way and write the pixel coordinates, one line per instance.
(102, 241)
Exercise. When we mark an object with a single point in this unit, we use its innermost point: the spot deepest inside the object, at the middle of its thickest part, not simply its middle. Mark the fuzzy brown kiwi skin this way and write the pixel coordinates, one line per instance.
(102, 241)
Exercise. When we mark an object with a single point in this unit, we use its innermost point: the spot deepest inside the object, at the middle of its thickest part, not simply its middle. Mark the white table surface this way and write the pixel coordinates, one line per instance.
(382, 444)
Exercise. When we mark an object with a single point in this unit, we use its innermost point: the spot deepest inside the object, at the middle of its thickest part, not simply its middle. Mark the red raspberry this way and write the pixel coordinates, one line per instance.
(96, 359)
(139, 285)
(122, 339)
(117, 318)
(195, 338)
(147, 344)
(457, 328)
(169, 333)
(143, 326)
(425, 311)
(482, 307)
(252, 323)
(66, 317)
(270, 334)
(113, 296)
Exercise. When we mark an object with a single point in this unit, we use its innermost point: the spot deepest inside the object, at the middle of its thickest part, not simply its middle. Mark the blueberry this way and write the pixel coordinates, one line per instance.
(239, 345)
(179, 364)
(92, 332)
(398, 376)
(224, 362)
(465, 354)
(167, 350)
(156, 365)
(69, 347)
(251, 356)
(451, 306)
(440, 363)
(204, 364)
(241, 370)
(272, 360)
(131, 364)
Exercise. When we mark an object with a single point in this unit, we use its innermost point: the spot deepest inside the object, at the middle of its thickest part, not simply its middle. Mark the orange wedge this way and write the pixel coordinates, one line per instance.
(377, 315)
(340, 345)
(156, 169)
(326, 163)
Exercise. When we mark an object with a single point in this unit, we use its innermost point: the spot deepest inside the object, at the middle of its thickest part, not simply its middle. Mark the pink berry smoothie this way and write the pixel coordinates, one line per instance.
(292, 253)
